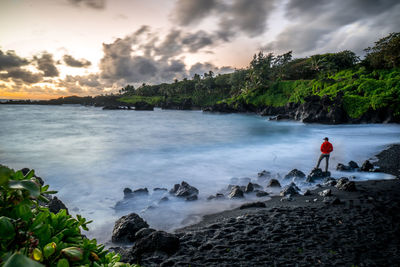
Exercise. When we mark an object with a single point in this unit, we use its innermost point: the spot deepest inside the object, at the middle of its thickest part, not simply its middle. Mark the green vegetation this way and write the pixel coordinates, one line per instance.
(368, 84)
(31, 235)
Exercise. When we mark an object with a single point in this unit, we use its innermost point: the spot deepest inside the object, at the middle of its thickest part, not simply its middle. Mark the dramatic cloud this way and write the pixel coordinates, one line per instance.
(46, 63)
(234, 17)
(190, 11)
(18, 75)
(97, 4)
(77, 63)
(322, 26)
(140, 57)
(11, 69)
(10, 60)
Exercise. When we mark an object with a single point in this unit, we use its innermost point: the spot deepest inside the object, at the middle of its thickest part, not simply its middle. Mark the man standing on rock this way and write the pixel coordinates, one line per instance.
(326, 149)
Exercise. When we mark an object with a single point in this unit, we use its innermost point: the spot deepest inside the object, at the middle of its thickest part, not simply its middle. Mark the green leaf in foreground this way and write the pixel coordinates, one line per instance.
(20, 260)
(6, 228)
(30, 186)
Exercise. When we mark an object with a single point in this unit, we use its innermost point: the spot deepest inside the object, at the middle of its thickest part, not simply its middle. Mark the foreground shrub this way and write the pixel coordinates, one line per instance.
(31, 235)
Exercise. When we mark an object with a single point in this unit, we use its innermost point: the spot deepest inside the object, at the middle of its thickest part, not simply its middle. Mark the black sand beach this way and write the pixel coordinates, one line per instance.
(347, 228)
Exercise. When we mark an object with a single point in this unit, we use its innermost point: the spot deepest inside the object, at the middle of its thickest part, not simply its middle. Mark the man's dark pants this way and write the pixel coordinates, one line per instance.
(326, 156)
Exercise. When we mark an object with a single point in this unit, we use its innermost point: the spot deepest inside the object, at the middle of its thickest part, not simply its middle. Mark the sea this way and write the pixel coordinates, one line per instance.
(90, 155)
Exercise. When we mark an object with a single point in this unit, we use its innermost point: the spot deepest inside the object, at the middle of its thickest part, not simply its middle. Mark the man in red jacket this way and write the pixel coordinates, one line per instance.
(326, 149)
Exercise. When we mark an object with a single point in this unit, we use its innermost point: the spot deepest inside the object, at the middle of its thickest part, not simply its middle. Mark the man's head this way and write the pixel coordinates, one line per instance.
(326, 139)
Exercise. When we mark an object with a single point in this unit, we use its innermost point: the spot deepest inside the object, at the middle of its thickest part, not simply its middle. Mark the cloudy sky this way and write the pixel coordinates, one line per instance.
(51, 48)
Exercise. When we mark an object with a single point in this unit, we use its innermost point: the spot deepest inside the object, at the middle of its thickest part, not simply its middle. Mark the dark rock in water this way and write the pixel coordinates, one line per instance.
(174, 189)
(126, 227)
(39, 179)
(295, 173)
(261, 194)
(274, 183)
(141, 105)
(329, 181)
(192, 198)
(280, 117)
(249, 188)
(264, 173)
(116, 107)
(220, 107)
(325, 193)
(55, 205)
(143, 233)
(164, 199)
(291, 189)
(236, 192)
(160, 189)
(25, 171)
(156, 241)
(367, 166)
(253, 205)
(331, 200)
(128, 193)
(353, 165)
(316, 174)
(185, 190)
(307, 193)
(342, 167)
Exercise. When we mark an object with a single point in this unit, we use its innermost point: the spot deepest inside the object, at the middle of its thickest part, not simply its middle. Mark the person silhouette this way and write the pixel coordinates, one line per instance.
(326, 149)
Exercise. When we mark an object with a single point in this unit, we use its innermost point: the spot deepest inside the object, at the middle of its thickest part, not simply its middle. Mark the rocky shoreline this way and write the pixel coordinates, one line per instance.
(315, 109)
(341, 223)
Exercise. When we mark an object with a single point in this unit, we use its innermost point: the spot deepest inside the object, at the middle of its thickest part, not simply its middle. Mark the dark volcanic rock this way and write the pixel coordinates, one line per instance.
(55, 205)
(156, 241)
(115, 107)
(236, 192)
(342, 167)
(184, 190)
(126, 227)
(389, 160)
(367, 166)
(160, 189)
(141, 105)
(261, 194)
(291, 189)
(353, 165)
(249, 188)
(346, 185)
(274, 183)
(128, 193)
(316, 174)
(264, 173)
(295, 173)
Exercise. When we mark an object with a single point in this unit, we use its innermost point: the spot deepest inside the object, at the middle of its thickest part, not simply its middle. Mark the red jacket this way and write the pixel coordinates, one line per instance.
(326, 147)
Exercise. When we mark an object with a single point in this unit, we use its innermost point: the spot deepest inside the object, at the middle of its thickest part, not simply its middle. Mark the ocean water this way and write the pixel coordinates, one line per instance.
(90, 156)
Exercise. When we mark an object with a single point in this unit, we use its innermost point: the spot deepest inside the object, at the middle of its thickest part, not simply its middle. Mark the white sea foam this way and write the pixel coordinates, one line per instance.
(90, 155)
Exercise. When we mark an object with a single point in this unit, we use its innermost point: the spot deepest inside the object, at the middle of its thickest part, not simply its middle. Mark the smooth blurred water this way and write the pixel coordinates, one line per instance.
(90, 155)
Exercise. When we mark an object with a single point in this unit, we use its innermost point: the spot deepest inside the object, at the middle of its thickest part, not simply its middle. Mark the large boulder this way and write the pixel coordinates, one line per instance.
(273, 183)
(316, 174)
(353, 165)
(55, 205)
(156, 241)
(236, 192)
(345, 185)
(249, 188)
(367, 166)
(184, 190)
(295, 173)
(290, 189)
(128, 193)
(126, 227)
